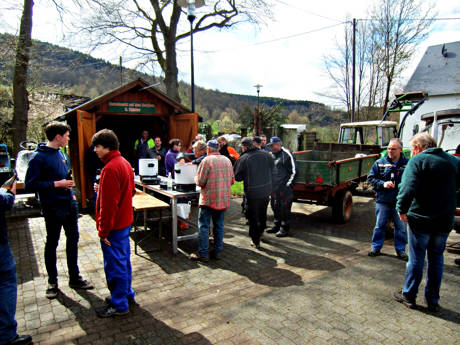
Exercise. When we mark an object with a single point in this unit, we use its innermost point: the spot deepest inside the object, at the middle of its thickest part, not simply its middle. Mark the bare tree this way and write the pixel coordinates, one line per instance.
(20, 96)
(21, 68)
(153, 27)
(338, 66)
(398, 25)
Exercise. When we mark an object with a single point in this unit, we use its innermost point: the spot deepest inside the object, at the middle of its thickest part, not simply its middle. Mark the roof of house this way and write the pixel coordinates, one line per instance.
(438, 72)
(370, 124)
(138, 83)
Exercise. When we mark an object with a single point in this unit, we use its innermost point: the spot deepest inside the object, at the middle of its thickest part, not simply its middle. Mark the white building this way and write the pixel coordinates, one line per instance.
(438, 75)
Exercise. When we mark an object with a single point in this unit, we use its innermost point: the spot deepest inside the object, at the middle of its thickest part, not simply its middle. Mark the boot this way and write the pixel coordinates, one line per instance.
(282, 233)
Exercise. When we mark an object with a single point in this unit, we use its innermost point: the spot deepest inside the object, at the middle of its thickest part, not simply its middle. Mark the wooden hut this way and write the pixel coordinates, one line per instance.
(127, 110)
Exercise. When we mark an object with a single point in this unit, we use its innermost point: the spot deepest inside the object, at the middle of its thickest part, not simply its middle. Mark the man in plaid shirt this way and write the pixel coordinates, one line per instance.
(215, 177)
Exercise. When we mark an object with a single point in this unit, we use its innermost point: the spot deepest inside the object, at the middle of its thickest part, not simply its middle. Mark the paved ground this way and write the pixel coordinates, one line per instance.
(317, 287)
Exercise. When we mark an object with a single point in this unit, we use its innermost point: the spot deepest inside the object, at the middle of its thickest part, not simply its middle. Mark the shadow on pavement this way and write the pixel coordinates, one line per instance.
(138, 327)
(258, 268)
(445, 314)
(22, 246)
(295, 258)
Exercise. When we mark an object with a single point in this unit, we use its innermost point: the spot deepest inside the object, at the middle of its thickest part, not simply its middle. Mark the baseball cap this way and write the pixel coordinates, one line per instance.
(257, 139)
(214, 144)
(274, 140)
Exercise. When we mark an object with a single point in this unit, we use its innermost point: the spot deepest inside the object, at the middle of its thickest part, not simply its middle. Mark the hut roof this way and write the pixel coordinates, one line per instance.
(138, 83)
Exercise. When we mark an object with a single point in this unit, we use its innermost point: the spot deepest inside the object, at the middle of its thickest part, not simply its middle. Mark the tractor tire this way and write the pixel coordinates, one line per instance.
(342, 206)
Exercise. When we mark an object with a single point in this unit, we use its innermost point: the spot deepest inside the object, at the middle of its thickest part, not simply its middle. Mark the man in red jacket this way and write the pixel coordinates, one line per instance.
(114, 216)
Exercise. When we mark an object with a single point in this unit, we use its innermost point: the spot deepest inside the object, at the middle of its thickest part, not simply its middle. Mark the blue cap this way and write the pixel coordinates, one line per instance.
(274, 140)
(214, 144)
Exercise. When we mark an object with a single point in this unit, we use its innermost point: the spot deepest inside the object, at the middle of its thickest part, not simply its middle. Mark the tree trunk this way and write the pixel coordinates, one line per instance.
(171, 71)
(20, 96)
(387, 95)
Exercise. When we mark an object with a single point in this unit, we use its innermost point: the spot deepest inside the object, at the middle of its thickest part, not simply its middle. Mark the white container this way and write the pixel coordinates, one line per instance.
(148, 167)
(184, 174)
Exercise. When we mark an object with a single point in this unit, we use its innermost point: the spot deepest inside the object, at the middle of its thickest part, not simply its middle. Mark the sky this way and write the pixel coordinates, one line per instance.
(289, 66)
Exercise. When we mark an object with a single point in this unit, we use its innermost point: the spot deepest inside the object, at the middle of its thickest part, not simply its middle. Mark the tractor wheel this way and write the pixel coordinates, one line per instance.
(342, 206)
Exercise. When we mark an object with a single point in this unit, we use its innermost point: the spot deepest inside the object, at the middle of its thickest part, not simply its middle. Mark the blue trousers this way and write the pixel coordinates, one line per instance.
(434, 245)
(117, 267)
(205, 215)
(383, 213)
(8, 294)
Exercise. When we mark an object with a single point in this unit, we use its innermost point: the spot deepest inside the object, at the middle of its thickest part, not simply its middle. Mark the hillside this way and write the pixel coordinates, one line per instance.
(67, 71)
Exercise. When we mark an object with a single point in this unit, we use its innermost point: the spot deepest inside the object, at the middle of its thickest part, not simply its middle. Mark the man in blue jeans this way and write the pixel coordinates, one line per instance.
(385, 177)
(215, 177)
(427, 201)
(8, 281)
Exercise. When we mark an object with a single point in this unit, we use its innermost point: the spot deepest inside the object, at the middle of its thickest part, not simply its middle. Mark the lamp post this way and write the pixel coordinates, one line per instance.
(257, 112)
(191, 6)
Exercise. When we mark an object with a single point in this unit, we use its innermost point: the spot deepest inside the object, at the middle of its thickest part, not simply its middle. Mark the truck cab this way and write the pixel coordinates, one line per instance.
(368, 133)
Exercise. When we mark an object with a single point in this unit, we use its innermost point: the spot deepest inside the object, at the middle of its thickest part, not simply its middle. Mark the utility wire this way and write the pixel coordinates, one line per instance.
(272, 40)
(411, 19)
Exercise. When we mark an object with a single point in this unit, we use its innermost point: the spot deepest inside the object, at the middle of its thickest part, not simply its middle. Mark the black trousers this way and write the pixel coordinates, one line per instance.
(58, 217)
(281, 204)
(257, 215)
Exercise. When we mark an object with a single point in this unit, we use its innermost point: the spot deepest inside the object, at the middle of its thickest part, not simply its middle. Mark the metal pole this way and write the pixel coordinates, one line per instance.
(191, 18)
(121, 70)
(353, 90)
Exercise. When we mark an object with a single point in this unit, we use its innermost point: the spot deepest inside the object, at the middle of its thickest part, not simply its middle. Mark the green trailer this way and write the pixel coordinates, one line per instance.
(329, 178)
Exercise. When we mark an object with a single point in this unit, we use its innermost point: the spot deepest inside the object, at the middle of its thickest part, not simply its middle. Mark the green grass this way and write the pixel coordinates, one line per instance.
(237, 188)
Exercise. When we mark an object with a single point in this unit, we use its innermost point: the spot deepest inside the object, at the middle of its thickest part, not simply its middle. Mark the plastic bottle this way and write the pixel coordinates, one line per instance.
(170, 181)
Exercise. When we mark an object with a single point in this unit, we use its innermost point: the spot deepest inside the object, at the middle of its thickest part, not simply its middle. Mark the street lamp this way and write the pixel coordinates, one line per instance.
(258, 86)
(257, 113)
(191, 6)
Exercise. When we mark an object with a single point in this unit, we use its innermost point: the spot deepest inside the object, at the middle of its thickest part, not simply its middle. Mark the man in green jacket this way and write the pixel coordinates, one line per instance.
(427, 201)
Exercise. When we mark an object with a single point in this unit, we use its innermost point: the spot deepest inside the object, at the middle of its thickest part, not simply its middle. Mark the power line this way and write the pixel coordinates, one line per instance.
(273, 40)
(411, 19)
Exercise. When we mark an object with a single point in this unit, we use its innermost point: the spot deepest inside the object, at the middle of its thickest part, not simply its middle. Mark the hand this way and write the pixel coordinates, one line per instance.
(403, 217)
(13, 188)
(67, 184)
(388, 184)
(106, 241)
(159, 158)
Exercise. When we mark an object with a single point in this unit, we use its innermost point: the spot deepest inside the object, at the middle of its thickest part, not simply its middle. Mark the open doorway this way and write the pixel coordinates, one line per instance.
(129, 128)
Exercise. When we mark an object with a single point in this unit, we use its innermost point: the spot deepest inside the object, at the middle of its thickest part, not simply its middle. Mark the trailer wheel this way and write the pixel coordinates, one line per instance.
(342, 206)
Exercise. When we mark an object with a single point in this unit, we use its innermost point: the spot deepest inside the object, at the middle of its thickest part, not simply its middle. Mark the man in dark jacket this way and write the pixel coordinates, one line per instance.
(255, 168)
(114, 216)
(159, 152)
(49, 174)
(385, 177)
(427, 201)
(8, 279)
(282, 195)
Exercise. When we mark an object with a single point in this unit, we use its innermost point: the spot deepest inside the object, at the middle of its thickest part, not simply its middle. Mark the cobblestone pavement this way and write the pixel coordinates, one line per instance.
(316, 287)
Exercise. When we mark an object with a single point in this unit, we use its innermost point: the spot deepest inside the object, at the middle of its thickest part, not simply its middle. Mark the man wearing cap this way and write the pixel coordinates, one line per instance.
(284, 175)
(257, 142)
(215, 177)
(255, 168)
